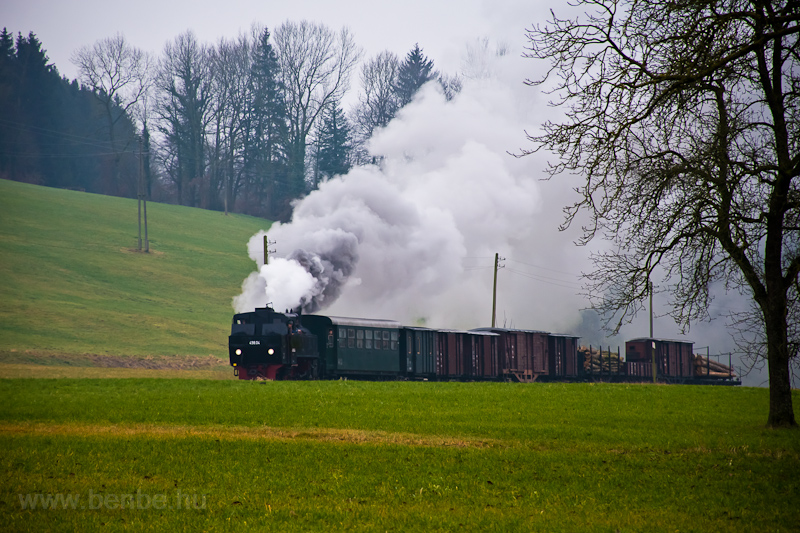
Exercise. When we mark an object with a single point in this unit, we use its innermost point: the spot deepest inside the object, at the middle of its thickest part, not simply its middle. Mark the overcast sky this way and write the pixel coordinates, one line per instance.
(442, 28)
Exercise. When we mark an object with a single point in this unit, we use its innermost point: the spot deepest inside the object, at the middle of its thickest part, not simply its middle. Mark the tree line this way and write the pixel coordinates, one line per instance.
(248, 124)
(52, 130)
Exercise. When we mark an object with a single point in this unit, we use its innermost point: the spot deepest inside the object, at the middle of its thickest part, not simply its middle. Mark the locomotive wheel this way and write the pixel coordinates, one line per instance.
(283, 373)
(307, 371)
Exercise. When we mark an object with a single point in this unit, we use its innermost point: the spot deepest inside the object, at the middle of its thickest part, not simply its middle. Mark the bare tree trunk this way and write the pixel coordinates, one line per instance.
(781, 410)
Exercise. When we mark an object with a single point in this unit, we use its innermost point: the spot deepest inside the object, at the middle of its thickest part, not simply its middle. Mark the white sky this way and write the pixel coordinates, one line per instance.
(442, 28)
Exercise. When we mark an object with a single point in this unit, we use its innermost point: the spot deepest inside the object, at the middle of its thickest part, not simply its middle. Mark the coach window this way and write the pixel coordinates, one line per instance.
(342, 338)
(351, 338)
(394, 340)
(359, 338)
(385, 340)
(368, 339)
(330, 339)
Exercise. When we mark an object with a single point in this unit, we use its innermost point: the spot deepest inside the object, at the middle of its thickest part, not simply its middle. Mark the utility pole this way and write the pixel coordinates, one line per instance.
(146, 240)
(652, 341)
(144, 196)
(139, 194)
(650, 287)
(142, 201)
(497, 259)
(267, 251)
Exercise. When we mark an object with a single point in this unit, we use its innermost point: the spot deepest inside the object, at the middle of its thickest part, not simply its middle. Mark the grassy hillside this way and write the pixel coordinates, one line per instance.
(71, 281)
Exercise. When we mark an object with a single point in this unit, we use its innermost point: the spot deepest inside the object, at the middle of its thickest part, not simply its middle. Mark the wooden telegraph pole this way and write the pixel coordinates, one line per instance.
(139, 195)
(652, 342)
(144, 206)
(267, 251)
(142, 201)
(494, 289)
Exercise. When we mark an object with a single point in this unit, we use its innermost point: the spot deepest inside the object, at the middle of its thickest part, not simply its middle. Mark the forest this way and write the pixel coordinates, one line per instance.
(246, 125)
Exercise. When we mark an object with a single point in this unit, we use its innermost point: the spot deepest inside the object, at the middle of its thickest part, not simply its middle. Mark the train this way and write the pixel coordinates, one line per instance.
(268, 345)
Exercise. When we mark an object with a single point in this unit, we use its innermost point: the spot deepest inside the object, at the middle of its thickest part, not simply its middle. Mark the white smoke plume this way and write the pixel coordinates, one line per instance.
(414, 240)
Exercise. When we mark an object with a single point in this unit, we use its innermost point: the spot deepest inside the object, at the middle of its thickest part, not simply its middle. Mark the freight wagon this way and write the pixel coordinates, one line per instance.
(673, 359)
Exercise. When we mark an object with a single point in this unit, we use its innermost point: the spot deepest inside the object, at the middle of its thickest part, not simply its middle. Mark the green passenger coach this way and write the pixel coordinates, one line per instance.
(356, 347)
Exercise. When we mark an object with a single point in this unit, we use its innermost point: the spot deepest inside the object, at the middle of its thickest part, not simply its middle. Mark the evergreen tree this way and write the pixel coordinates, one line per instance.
(334, 144)
(415, 71)
(265, 157)
(50, 133)
(6, 45)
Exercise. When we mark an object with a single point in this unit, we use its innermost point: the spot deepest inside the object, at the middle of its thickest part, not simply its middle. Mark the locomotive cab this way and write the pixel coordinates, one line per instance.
(269, 345)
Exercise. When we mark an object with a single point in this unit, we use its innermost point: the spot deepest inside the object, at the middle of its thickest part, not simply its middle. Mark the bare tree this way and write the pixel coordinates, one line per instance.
(378, 102)
(315, 67)
(479, 57)
(232, 67)
(684, 119)
(184, 96)
(119, 75)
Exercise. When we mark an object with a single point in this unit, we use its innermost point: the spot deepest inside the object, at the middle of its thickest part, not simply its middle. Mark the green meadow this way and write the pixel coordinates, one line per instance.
(72, 282)
(144, 454)
(111, 442)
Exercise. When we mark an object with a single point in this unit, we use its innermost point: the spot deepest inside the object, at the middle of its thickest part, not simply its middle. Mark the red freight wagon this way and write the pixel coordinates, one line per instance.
(466, 354)
(485, 345)
(449, 351)
(479, 350)
(525, 352)
(563, 354)
(673, 358)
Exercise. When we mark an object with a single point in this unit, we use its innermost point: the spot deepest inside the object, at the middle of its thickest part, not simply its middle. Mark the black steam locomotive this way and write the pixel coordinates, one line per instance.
(265, 344)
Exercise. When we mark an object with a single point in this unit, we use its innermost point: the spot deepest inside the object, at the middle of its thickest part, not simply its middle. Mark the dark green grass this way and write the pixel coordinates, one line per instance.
(475, 456)
(602, 416)
(72, 282)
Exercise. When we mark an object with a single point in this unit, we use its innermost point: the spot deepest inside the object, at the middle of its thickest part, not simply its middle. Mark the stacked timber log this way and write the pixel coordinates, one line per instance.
(703, 367)
(597, 360)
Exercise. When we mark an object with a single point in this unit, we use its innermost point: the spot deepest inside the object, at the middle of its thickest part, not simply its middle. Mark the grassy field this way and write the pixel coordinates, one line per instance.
(71, 281)
(135, 454)
(139, 452)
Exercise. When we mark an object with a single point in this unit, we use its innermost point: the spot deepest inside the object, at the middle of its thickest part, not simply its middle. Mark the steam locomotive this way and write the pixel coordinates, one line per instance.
(265, 344)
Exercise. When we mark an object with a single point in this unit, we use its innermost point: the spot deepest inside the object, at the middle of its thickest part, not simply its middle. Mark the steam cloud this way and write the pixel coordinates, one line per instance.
(415, 238)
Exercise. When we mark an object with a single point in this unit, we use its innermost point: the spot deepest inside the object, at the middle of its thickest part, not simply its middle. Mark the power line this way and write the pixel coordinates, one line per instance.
(547, 280)
(543, 268)
(78, 139)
